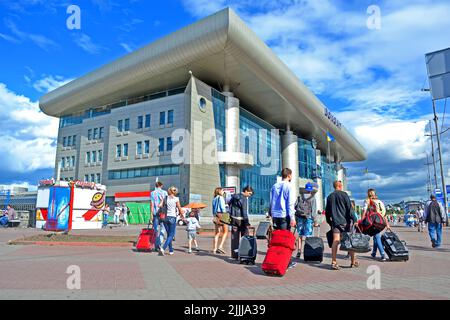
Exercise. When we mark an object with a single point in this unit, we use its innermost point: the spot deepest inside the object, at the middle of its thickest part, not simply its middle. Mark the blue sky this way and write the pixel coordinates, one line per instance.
(371, 79)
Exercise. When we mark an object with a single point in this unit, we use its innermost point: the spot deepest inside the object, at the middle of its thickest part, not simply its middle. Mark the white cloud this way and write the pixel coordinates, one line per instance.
(38, 39)
(28, 136)
(85, 42)
(49, 83)
(126, 47)
(19, 184)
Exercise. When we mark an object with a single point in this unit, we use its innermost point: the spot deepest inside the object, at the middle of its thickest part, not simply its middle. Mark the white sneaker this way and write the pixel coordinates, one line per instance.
(189, 251)
(170, 253)
(161, 251)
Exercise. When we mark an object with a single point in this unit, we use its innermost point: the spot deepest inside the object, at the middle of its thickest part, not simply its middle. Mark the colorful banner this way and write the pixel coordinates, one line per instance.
(58, 209)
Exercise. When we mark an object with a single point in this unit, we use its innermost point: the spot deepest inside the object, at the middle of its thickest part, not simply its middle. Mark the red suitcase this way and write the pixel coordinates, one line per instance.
(146, 240)
(277, 261)
(279, 253)
(283, 238)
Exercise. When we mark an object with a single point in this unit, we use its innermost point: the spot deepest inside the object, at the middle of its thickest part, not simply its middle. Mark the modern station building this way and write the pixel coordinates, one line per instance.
(208, 105)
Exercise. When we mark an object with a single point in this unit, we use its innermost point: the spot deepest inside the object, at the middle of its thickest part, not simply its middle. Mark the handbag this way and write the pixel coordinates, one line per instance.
(225, 218)
(355, 242)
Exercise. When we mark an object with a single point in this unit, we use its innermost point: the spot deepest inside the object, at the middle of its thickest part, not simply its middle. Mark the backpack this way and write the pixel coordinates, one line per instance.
(303, 207)
(235, 208)
(373, 223)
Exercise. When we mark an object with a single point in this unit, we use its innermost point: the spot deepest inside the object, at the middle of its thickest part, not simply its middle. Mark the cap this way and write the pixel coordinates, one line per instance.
(309, 187)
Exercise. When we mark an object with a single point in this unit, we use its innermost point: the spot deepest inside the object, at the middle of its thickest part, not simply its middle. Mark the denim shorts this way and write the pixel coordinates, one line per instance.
(305, 227)
(192, 235)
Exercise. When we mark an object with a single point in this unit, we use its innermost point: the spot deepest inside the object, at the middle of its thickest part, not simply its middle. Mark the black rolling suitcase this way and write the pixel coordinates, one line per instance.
(313, 250)
(248, 249)
(394, 247)
(263, 230)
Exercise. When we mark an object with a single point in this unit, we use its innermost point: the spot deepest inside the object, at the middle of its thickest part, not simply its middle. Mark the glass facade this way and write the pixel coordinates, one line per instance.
(256, 139)
(329, 175)
(218, 102)
(307, 167)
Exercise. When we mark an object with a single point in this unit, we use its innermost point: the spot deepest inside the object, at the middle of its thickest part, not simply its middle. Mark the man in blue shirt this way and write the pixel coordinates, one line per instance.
(282, 202)
(156, 197)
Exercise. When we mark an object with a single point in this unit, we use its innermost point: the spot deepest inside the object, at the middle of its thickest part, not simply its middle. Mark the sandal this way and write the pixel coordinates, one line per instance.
(220, 250)
(335, 266)
(355, 264)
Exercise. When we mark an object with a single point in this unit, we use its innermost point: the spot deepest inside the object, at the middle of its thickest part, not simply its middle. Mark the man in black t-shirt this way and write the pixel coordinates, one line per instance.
(338, 213)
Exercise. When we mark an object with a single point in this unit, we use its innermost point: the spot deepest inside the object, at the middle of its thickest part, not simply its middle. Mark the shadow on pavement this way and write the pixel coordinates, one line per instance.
(420, 248)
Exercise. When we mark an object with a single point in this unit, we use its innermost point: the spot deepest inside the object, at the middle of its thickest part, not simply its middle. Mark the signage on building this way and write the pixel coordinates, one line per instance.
(332, 118)
(84, 184)
(47, 182)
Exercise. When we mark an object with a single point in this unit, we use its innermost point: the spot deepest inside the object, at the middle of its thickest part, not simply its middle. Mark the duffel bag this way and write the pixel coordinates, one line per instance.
(355, 242)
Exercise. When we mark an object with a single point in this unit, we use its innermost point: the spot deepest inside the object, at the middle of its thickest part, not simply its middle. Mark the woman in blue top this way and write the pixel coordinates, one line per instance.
(218, 207)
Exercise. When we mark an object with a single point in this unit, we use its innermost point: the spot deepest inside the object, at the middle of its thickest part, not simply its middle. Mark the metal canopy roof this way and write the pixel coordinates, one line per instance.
(219, 49)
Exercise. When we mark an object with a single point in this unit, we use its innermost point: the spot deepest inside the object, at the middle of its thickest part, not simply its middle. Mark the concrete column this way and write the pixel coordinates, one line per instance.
(232, 137)
(289, 157)
(232, 177)
(319, 195)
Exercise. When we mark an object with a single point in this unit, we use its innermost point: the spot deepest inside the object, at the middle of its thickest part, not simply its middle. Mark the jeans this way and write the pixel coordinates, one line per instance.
(377, 244)
(116, 219)
(160, 231)
(105, 220)
(435, 229)
(171, 227)
(282, 223)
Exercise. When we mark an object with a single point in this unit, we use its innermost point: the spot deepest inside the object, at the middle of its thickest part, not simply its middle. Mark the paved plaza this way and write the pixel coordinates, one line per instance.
(40, 272)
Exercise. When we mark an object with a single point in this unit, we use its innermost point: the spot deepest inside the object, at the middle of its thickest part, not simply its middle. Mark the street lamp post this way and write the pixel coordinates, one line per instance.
(444, 190)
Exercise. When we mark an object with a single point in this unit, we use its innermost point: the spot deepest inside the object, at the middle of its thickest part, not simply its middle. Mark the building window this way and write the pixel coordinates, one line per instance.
(64, 142)
(162, 118)
(161, 145)
(94, 156)
(86, 178)
(147, 120)
(120, 126)
(143, 172)
(95, 133)
(139, 148)
(92, 177)
(89, 136)
(127, 125)
(88, 157)
(69, 141)
(169, 144)
(98, 178)
(74, 139)
(147, 146)
(63, 162)
(140, 122)
(73, 161)
(100, 155)
(118, 151)
(125, 149)
(101, 132)
(170, 117)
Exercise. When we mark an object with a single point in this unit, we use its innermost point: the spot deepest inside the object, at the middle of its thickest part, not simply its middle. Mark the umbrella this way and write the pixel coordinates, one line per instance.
(196, 205)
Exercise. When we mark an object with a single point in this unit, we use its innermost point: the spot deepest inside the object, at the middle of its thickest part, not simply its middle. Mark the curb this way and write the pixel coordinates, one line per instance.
(74, 244)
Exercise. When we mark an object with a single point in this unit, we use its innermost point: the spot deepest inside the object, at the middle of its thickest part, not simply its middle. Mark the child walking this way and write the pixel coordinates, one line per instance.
(192, 226)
